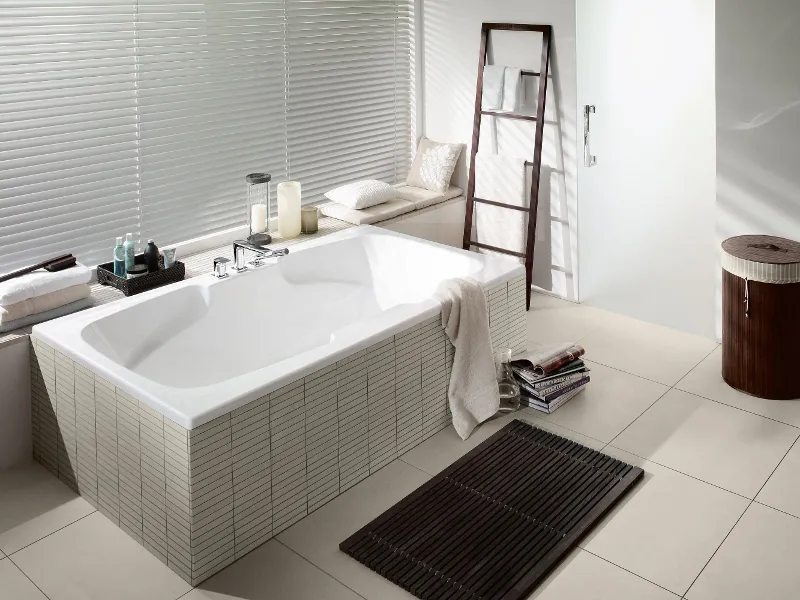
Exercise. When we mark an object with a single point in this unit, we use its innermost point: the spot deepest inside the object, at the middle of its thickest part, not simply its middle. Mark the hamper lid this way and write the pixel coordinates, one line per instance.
(762, 258)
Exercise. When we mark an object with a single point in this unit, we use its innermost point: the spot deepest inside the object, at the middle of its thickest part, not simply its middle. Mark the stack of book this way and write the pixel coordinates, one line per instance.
(550, 377)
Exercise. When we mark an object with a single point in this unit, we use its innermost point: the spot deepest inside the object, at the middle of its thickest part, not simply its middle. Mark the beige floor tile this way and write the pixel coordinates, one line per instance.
(667, 527)
(782, 491)
(733, 449)
(34, 504)
(272, 571)
(446, 447)
(317, 537)
(552, 320)
(14, 585)
(706, 380)
(647, 350)
(582, 576)
(94, 559)
(611, 401)
(757, 560)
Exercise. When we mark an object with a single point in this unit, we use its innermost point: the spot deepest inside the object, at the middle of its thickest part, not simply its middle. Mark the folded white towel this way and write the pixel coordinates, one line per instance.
(503, 179)
(40, 304)
(473, 392)
(512, 79)
(42, 282)
(492, 95)
(47, 315)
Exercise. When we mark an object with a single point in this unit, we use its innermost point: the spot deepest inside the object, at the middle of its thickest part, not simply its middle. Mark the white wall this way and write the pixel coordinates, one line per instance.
(758, 118)
(15, 403)
(451, 37)
(646, 209)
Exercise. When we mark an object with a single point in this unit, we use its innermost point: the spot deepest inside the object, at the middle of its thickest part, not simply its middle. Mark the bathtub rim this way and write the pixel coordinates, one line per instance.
(193, 407)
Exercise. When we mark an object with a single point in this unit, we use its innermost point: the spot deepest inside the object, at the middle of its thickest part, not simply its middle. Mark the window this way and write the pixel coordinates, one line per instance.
(144, 116)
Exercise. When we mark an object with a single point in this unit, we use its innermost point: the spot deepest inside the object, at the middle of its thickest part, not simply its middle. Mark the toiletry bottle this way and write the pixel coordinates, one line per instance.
(119, 259)
(130, 251)
(151, 256)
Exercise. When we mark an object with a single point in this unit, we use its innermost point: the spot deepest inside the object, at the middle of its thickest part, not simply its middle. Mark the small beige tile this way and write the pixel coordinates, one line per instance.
(317, 537)
(271, 572)
(93, 559)
(757, 560)
(582, 576)
(733, 449)
(667, 527)
(706, 380)
(14, 585)
(34, 504)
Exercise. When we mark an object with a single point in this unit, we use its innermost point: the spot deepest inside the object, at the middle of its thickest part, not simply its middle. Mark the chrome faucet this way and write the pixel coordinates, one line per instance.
(261, 252)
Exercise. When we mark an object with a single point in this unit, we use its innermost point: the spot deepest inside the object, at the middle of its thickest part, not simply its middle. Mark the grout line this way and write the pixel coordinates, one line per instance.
(637, 418)
(27, 577)
(52, 532)
(629, 571)
(752, 501)
(318, 568)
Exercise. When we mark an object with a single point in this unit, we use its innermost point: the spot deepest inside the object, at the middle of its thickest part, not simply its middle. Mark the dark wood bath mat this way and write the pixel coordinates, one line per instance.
(495, 522)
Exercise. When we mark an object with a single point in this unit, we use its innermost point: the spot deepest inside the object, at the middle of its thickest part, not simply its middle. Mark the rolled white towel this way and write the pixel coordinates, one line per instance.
(43, 303)
(41, 282)
(473, 392)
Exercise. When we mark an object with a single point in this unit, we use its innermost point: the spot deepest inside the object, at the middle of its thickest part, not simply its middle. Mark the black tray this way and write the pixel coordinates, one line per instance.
(129, 287)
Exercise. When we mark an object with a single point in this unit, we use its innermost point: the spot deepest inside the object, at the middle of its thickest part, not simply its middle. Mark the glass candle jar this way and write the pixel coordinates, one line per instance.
(258, 207)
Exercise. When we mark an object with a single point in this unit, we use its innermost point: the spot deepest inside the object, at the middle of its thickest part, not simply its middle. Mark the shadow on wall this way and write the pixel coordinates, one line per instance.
(452, 36)
(758, 121)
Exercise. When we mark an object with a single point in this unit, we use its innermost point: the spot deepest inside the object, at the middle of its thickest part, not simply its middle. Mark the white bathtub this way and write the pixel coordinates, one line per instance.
(204, 347)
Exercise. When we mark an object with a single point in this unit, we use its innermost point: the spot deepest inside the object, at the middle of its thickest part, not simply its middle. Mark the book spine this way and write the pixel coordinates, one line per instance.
(545, 408)
(553, 385)
(572, 386)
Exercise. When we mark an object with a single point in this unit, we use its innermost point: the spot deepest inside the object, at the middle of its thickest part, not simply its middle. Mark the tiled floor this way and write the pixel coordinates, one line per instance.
(716, 517)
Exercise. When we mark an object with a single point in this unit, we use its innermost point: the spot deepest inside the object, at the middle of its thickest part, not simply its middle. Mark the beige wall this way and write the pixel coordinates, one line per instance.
(451, 38)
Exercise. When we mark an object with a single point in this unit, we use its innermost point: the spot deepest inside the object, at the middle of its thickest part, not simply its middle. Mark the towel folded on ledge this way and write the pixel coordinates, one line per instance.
(40, 304)
(41, 282)
(473, 392)
(47, 315)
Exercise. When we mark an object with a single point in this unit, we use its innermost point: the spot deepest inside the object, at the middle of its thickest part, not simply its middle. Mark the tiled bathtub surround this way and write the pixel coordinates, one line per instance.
(200, 499)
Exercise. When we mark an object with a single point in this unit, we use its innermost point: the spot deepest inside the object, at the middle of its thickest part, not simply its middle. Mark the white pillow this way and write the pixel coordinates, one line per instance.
(362, 194)
(433, 165)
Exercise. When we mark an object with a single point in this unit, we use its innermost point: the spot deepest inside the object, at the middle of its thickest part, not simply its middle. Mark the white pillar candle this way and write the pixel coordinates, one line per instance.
(289, 209)
(258, 218)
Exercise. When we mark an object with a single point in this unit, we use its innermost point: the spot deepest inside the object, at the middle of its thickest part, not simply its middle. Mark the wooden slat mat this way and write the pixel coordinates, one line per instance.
(495, 522)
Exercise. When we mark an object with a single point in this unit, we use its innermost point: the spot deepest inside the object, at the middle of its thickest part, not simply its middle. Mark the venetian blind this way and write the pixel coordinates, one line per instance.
(144, 116)
(348, 92)
(212, 110)
(68, 129)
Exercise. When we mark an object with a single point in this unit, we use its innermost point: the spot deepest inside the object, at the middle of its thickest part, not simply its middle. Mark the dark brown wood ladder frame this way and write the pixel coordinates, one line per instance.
(546, 31)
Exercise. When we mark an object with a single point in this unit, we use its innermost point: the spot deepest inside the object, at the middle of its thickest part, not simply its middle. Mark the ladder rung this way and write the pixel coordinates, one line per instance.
(502, 204)
(531, 73)
(496, 249)
(504, 115)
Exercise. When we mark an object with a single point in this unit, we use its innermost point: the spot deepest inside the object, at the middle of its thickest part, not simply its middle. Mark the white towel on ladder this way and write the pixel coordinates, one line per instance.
(493, 83)
(512, 88)
(502, 179)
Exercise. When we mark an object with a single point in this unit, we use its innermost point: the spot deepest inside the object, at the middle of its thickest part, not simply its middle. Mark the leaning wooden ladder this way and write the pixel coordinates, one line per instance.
(532, 208)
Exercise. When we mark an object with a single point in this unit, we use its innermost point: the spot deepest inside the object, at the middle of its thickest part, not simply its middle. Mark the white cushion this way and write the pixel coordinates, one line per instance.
(374, 214)
(362, 194)
(423, 198)
(433, 165)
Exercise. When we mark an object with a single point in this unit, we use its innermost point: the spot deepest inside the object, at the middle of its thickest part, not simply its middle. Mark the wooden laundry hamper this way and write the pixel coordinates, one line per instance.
(761, 316)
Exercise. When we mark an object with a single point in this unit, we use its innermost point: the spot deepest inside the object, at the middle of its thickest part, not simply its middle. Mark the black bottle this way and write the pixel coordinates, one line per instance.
(151, 256)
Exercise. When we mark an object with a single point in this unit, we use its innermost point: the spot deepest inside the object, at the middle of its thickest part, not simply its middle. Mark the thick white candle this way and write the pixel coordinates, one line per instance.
(289, 209)
(258, 218)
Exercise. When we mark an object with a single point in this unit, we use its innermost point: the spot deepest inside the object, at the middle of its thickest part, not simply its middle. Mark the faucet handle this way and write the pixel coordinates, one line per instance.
(221, 267)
